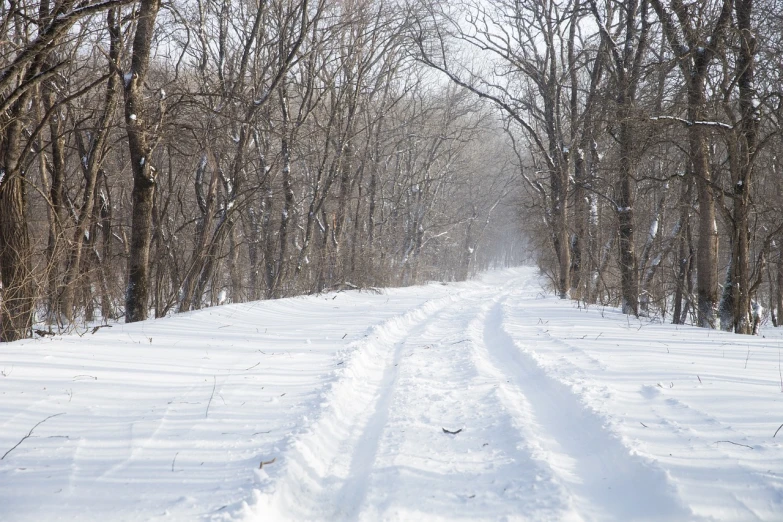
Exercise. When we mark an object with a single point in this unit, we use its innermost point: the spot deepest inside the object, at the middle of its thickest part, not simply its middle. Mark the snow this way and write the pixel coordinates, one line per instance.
(565, 413)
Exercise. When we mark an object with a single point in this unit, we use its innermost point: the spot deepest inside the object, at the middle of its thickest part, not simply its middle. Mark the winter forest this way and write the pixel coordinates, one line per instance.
(164, 156)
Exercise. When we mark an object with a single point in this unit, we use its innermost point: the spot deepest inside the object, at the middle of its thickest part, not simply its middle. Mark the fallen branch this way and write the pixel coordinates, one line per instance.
(735, 443)
(451, 432)
(267, 463)
(30, 434)
(99, 327)
(214, 385)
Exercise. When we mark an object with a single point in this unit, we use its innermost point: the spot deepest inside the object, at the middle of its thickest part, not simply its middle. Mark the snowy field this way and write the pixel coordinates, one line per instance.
(560, 413)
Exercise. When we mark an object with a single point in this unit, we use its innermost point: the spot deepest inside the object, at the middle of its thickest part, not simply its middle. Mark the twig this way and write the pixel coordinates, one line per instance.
(173, 461)
(735, 443)
(451, 432)
(268, 462)
(643, 424)
(95, 329)
(746, 358)
(779, 372)
(777, 430)
(214, 385)
(256, 364)
(30, 434)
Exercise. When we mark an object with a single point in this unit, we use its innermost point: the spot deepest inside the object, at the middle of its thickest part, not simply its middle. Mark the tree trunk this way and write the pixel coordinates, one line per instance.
(707, 246)
(629, 270)
(17, 295)
(144, 176)
(741, 321)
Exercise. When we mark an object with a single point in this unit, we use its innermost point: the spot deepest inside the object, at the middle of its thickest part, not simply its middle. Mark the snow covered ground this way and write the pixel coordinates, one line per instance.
(565, 413)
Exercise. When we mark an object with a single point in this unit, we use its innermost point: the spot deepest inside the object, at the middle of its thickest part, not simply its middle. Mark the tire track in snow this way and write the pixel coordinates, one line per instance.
(605, 481)
(685, 432)
(326, 468)
(486, 472)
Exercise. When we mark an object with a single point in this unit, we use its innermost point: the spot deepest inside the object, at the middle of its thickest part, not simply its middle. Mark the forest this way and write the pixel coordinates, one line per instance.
(163, 156)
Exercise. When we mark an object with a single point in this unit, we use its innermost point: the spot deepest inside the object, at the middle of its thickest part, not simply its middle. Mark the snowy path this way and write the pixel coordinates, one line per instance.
(564, 414)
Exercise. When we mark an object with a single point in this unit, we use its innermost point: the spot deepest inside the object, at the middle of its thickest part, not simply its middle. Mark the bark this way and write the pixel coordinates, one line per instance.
(17, 297)
(288, 192)
(144, 176)
(56, 170)
(629, 272)
(779, 289)
(747, 141)
(684, 254)
(707, 245)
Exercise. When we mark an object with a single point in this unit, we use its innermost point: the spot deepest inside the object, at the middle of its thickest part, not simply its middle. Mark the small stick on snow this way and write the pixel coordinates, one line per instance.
(779, 372)
(214, 385)
(451, 432)
(643, 424)
(777, 430)
(267, 463)
(29, 434)
(95, 329)
(735, 443)
(173, 461)
(256, 364)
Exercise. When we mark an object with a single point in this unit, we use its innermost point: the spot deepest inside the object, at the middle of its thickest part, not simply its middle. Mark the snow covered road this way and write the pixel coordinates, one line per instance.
(560, 413)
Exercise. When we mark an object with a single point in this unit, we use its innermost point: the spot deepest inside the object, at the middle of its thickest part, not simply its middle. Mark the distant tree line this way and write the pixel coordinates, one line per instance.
(158, 157)
(649, 133)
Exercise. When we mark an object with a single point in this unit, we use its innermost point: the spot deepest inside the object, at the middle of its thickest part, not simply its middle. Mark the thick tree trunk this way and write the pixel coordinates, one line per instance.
(17, 295)
(741, 320)
(684, 252)
(707, 246)
(137, 292)
(288, 192)
(779, 289)
(629, 270)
